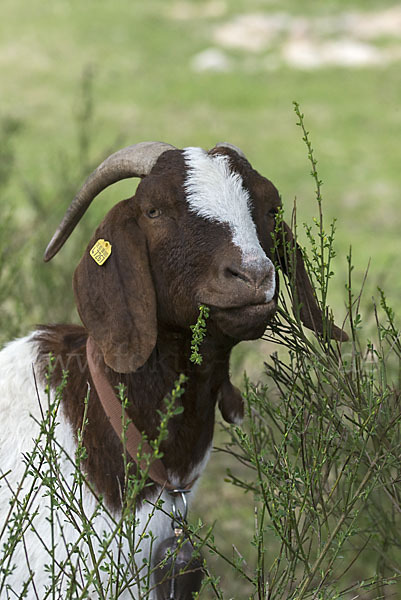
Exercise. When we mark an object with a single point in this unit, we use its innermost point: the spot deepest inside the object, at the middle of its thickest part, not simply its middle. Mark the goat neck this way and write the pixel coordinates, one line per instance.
(190, 433)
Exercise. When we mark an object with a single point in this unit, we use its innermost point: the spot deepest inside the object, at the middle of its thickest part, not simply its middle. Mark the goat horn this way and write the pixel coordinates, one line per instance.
(133, 161)
(230, 147)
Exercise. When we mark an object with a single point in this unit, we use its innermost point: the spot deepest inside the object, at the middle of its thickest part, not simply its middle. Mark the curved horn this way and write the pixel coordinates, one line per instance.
(230, 147)
(133, 161)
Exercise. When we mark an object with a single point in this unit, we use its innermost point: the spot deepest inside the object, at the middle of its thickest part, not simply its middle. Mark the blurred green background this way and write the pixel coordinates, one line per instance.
(81, 79)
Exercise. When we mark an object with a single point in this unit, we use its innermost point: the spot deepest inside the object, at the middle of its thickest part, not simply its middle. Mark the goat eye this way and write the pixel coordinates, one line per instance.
(153, 213)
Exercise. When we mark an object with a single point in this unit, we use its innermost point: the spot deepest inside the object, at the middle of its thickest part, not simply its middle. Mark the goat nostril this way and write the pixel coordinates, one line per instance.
(235, 273)
(266, 279)
(255, 277)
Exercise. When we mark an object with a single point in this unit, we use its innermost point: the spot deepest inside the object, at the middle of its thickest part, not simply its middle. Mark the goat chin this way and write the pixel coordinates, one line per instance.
(22, 400)
(244, 323)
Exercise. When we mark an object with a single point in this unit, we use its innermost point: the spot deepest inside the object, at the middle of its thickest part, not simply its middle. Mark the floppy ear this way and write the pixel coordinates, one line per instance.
(116, 300)
(304, 298)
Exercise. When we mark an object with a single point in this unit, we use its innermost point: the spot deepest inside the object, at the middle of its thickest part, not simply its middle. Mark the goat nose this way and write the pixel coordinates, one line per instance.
(253, 275)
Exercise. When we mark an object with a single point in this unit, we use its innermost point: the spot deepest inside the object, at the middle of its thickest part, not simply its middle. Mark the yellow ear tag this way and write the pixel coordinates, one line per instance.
(101, 251)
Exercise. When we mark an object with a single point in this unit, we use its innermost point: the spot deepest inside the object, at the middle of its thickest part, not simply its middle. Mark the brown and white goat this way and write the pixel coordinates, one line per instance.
(197, 231)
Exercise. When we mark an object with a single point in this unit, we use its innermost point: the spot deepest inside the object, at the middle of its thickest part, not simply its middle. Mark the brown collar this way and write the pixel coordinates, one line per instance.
(133, 437)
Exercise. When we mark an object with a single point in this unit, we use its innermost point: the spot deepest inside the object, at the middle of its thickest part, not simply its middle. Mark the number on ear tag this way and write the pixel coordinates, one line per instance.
(101, 251)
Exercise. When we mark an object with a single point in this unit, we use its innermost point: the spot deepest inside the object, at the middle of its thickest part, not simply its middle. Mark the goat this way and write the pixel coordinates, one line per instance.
(197, 231)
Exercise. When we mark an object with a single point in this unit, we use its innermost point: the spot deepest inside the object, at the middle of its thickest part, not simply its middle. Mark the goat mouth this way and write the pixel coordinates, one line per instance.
(246, 322)
(244, 307)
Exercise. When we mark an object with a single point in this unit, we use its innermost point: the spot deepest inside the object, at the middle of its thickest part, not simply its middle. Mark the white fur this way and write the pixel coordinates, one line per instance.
(196, 471)
(237, 418)
(19, 407)
(216, 193)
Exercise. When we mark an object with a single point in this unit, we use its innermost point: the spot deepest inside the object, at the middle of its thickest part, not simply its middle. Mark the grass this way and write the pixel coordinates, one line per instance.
(80, 79)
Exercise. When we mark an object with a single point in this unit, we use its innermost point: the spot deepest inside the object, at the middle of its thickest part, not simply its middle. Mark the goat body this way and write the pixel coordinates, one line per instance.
(186, 450)
(197, 231)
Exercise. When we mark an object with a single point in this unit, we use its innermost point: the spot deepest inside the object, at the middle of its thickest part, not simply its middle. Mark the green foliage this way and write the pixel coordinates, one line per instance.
(12, 247)
(321, 447)
(322, 249)
(30, 290)
(198, 334)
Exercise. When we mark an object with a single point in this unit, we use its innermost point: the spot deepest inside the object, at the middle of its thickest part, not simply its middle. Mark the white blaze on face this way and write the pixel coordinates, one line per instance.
(217, 194)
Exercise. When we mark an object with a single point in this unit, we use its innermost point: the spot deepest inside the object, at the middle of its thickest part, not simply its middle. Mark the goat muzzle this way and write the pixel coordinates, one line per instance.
(239, 281)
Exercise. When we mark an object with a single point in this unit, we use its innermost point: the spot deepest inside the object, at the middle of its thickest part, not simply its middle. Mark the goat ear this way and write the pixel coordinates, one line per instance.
(116, 300)
(304, 298)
